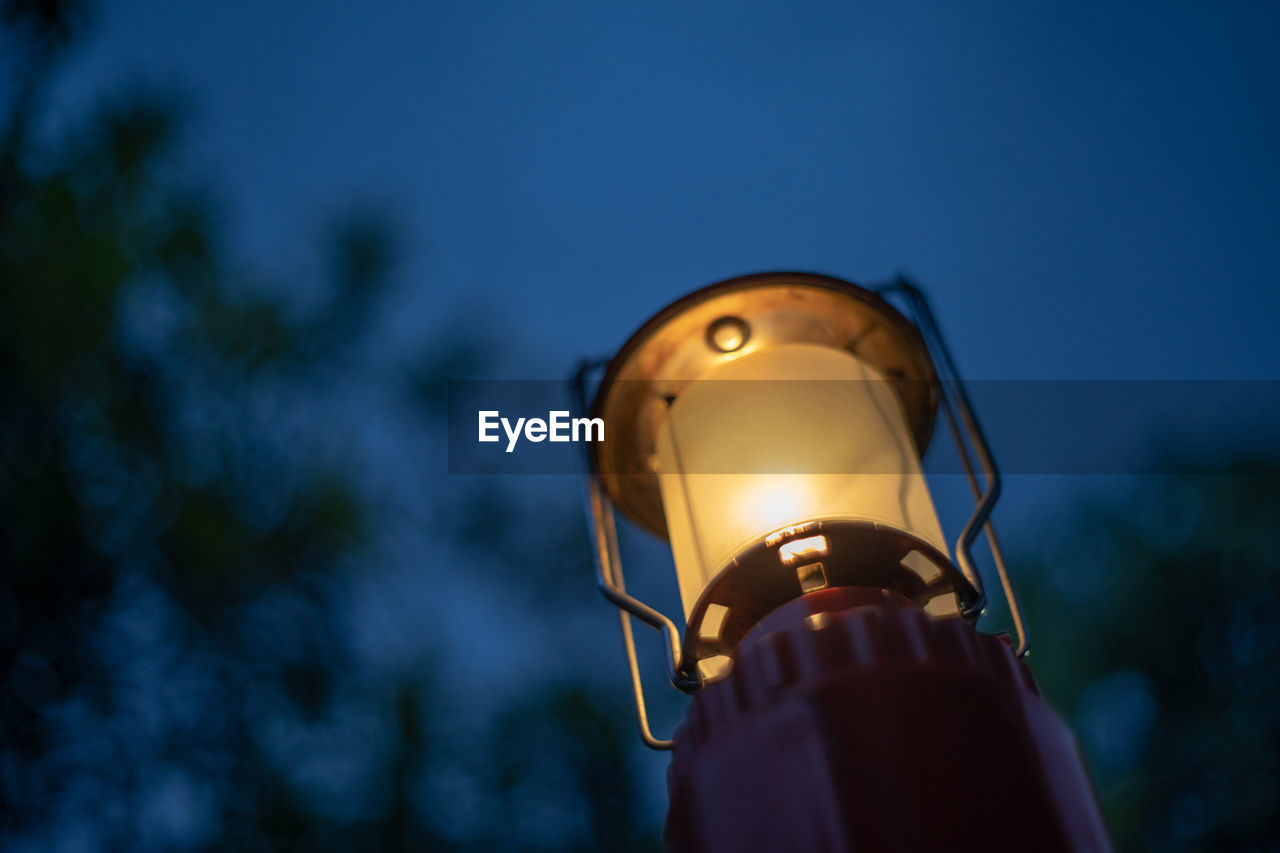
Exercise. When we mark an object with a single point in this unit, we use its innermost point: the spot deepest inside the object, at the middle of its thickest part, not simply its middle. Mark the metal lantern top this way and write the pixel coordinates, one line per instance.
(730, 320)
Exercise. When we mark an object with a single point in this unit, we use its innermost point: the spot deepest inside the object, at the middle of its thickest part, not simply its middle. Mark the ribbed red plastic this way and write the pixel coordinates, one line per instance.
(854, 721)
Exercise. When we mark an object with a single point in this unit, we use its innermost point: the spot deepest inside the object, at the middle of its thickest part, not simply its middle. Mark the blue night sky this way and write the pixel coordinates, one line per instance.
(1087, 189)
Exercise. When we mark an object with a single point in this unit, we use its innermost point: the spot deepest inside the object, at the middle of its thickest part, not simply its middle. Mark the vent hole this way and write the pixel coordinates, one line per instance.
(812, 577)
(921, 566)
(713, 622)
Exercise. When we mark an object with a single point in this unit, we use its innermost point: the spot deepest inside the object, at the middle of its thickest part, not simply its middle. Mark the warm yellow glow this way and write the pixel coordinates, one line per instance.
(768, 498)
(739, 460)
(803, 550)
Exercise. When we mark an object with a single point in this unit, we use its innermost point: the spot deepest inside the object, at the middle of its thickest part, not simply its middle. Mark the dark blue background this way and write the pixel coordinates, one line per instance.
(1089, 190)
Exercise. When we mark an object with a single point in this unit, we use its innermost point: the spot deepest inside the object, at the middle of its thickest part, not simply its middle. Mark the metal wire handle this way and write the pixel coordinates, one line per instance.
(611, 582)
(956, 401)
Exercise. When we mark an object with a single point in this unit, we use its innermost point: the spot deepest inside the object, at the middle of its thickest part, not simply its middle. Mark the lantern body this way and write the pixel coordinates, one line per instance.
(771, 428)
(777, 439)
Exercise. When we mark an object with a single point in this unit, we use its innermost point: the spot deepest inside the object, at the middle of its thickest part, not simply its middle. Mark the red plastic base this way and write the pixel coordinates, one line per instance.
(853, 721)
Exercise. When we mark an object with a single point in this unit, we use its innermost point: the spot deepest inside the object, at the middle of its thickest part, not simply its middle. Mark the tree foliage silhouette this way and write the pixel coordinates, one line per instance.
(1158, 635)
(173, 529)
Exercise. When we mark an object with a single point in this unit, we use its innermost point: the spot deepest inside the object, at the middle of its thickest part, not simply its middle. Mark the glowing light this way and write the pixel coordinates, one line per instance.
(761, 450)
(802, 550)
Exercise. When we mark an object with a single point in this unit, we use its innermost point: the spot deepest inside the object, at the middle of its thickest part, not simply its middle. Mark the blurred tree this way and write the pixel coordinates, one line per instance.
(173, 524)
(135, 480)
(1158, 634)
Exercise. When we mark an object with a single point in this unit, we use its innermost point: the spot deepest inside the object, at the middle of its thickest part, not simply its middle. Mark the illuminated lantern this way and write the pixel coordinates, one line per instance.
(771, 428)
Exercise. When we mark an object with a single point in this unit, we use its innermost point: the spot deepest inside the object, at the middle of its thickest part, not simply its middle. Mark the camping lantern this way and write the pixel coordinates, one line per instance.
(771, 428)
